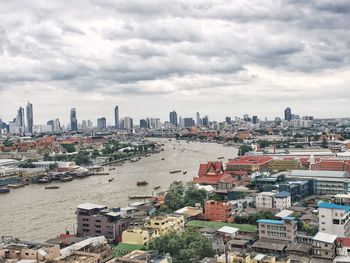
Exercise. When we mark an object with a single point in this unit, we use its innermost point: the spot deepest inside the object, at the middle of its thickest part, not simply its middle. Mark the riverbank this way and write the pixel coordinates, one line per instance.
(36, 213)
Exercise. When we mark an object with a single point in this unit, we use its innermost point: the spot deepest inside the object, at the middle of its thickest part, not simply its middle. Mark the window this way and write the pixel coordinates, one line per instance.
(98, 226)
(336, 221)
(98, 231)
(85, 219)
(86, 225)
(98, 221)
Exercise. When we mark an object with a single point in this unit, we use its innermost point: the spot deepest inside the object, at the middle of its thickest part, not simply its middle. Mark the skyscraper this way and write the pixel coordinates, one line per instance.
(128, 124)
(73, 120)
(255, 119)
(29, 112)
(101, 123)
(205, 121)
(20, 120)
(198, 119)
(288, 114)
(0, 127)
(173, 118)
(116, 117)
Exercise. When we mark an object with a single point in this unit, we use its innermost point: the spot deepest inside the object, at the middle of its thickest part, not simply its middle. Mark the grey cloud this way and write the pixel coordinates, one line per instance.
(128, 46)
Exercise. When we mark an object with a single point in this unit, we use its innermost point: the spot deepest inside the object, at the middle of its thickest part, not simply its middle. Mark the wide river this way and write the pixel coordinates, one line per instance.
(33, 213)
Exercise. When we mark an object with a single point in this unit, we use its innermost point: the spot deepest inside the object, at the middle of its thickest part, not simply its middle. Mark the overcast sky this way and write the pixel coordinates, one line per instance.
(218, 57)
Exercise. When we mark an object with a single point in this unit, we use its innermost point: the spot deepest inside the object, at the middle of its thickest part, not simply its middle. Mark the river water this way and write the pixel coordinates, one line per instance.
(33, 213)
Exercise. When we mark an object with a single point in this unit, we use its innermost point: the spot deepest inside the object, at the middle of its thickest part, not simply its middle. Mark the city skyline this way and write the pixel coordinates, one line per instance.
(150, 57)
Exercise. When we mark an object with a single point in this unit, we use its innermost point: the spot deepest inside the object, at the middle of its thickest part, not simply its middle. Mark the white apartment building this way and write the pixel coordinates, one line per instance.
(265, 200)
(281, 200)
(334, 219)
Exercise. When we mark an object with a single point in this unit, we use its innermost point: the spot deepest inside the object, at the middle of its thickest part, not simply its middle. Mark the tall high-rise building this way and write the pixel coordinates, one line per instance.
(128, 124)
(20, 120)
(228, 120)
(198, 119)
(0, 127)
(89, 124)
(101, 123)
(188, 122)
(205, 121)
(173, 118)
(116, 118)
(288, 114)
(255, 119)
(29, 113)
(143, 124)
(73, 120)
(83, 124)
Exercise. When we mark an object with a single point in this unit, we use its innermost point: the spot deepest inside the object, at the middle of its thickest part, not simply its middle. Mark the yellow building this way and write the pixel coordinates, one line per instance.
(154, 228)
(139, 236)
(165, 224)
(236, 257)
(285, 164)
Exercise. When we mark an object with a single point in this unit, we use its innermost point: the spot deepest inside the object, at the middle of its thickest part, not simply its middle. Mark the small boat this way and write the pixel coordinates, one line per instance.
(174, 172)
(148, 155)
(4, 190)
(141, 183)
(51, 187)
(110, 180)
(157, 187)
(111, 169)
(135, 159)
(15, 186)
(44, 180)
(184, 172)
(221, 157)
(140, 197)
(67, 179)
(163, 159)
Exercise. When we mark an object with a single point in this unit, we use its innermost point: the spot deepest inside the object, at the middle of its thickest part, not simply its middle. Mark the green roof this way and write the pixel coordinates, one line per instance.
(218, 225)
(124, 248)
(128, 247)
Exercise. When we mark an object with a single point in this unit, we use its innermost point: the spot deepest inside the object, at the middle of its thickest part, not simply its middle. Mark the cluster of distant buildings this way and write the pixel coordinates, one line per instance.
(23, 123)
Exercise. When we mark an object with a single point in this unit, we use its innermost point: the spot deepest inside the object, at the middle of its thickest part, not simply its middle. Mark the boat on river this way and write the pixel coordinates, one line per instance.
(141, 183)
(110, 180)
(157, 187)
(67, 179)
(4, 190)
(184, 172)
(15, 186)
(174, 172)
(140, 197)
(51, 187)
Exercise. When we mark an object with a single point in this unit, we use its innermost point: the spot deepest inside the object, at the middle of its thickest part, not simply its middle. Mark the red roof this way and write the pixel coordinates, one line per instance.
(251, 160)
(345, 241)
(210, 167)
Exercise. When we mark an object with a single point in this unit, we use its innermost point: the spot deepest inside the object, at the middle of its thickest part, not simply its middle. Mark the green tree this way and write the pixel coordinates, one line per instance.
(68, 147)
(95, 153)
(244, 149)
(324, 143)
(186, 246)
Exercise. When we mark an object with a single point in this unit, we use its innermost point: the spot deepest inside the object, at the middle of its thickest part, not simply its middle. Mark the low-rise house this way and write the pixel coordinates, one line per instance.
(324, 246)
(218, 211)
(165, 224)
(22, 250)
(265, 200)
(334, 219)
(285, 229)
(282, 200)
(190, 213)
(138, 236)
(96, 220)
